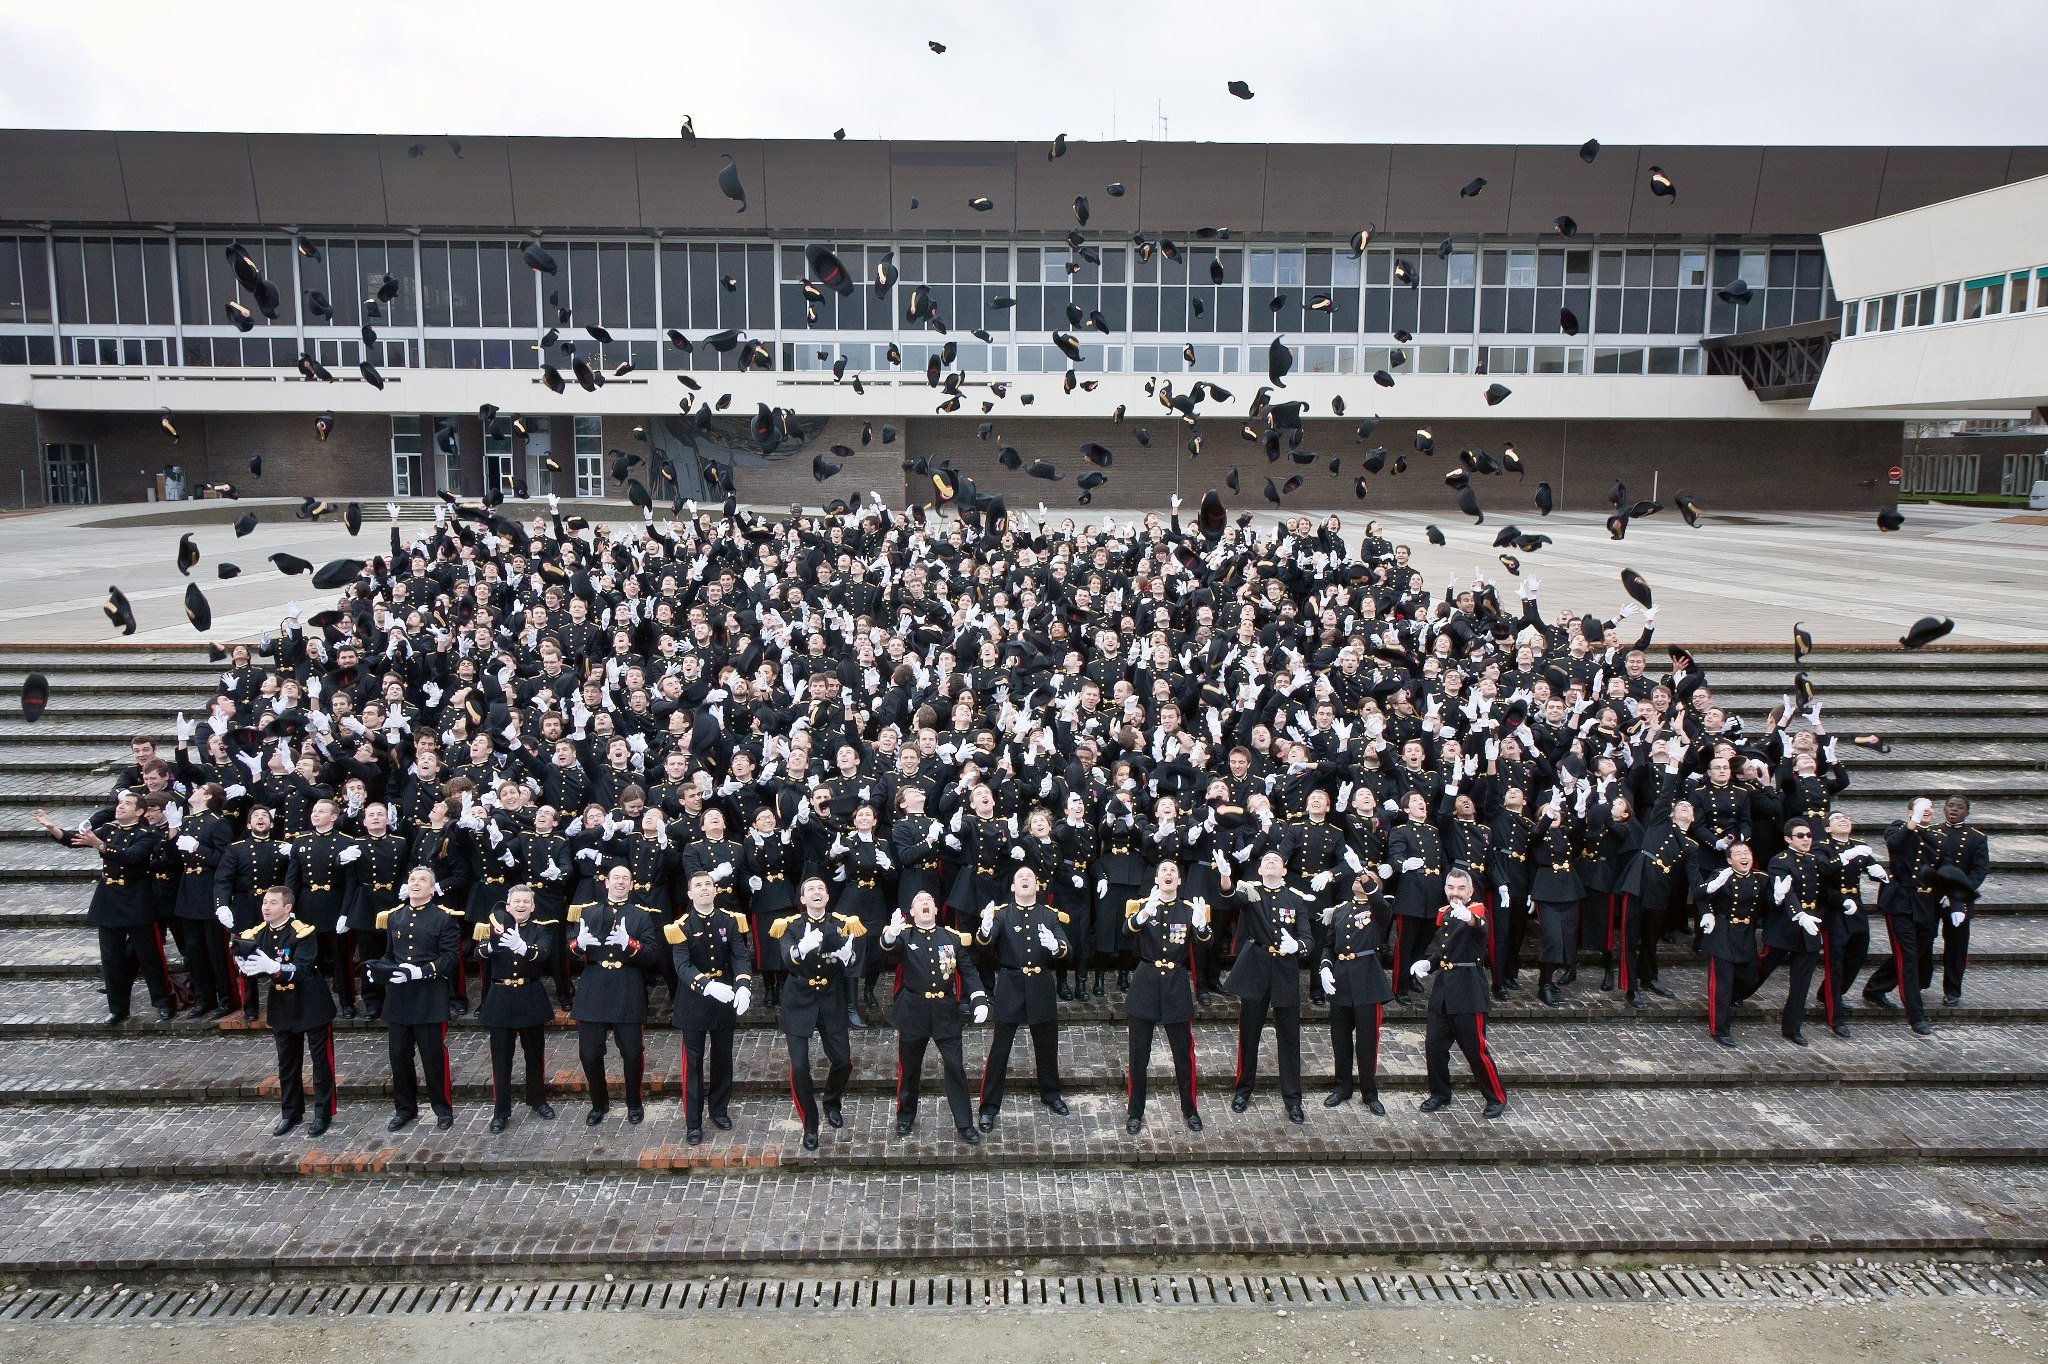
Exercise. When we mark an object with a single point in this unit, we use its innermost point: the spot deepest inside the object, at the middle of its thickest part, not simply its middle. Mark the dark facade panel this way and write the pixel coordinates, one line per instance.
(437, 188)
(944, 176)
(1422, 194)
(590, 182)
(1190, 185)
(61, 177)
(1331, 190)
(837, 186)
(1552, 181)
(329, 181)
(2027, 163)
(1817, 189)
(1716, 192)
(1046, 189)
(1915, 176)
(679, 186)
(188, 178)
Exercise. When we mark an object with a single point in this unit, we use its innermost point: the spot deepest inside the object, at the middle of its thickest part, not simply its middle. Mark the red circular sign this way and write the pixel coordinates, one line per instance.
(1897, 473)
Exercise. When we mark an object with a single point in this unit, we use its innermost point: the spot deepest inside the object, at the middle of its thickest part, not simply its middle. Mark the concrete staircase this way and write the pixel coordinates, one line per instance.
(148, 1147)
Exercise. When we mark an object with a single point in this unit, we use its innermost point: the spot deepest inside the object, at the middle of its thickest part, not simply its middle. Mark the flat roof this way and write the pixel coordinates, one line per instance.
(438, 182)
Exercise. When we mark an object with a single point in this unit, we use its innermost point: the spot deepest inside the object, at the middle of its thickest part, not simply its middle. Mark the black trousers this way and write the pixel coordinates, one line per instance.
(428, 1042)
(1727, 981)
(632, 1044)
(531, 1041)
(208, 990)
(1800, 967)
(1844, 962)
(1251, 1021)
(1045, 1053)
(337, 963)
(558, 965)
(1635, 945)
(707, 1074)
(292, 1049)
(1955, 956)
(1080, 938)
(370, 945)
(1910, 967)
(838, 1060)
(1180, 1041)
(122, 950)
(910, 1049)
(1356, 1032)
(1506, 925)
(1469, 1032)
(1411, 939)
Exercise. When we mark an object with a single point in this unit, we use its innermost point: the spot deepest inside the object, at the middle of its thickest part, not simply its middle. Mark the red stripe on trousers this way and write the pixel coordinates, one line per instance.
(447, 1071)
(683, 1080)
(794, 1102)
(333, 1079)
(1712, 1031)
(1627, 947)
(1500, 1093)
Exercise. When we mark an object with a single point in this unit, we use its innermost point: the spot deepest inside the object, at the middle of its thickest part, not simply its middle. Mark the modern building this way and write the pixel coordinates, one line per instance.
(1615, 314)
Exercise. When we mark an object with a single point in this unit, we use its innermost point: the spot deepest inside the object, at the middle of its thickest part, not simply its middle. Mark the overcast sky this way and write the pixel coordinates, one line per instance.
(1726, 71)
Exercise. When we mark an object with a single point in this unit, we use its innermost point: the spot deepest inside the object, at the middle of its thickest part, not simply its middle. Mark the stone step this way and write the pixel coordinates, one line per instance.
(164, 1066)
(1413, 1207)
(1995, 992)
(1698, 1128)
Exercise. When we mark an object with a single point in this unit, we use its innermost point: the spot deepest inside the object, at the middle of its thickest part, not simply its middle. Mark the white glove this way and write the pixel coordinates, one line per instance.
(187, 843)
(722, 872)
(585, 939)
(1201, 914)
(551, 872)
(1289, 944)
(1807, 923)
(617, 937)
(225, 915)
(1047, 940)
(981, 1013)
(217, 723)
(742, 1000)
(183, 728)
(1850, 904)
(589, 854)
(412, 970)
(1102, 889)
(1720, 880)
(1781, 887)
(1878, 874)
(1419, 969)
(1463, 914)
(1850, 854)
(1956, 917)
(1329, 979)
(810, 942)
(1706, 924)
(1016, 854)
(718, 990)
(349, 854)
(248, 966)
(1411, 864)
(511, 941)
(845, 954)
(284, 850)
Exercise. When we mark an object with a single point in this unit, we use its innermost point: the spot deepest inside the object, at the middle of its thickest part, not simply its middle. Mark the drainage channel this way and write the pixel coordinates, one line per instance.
(1761, 1285)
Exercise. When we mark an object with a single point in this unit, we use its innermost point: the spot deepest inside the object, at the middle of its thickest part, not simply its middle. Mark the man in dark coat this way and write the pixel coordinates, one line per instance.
(618, 942)
(1357, 987)
(513, 948)
(715, 987)
(1028, 942)
(121, 910)
(1276, 922)
(422, 939)
(937, 989)
(1458, 999)
(286, 951)
(1166, 929)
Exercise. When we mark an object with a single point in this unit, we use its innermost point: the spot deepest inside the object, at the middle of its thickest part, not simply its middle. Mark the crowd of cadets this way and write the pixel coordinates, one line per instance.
(1005, 765)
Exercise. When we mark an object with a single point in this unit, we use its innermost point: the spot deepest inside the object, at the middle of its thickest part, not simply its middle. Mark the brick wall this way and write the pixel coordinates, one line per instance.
(21, 459)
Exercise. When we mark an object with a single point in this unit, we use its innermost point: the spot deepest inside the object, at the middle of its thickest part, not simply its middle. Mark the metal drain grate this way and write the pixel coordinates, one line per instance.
(1757, 1285)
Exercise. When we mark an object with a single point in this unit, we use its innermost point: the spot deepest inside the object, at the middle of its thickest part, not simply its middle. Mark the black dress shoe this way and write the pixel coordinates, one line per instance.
(375, 1012)
(987, 1122)
(219, 1013)
(1240, 1102)
(594, 1117)
(1400, 998)
(1571, 973)
(284, 1125)
(1500, 992)
(459, 1007)
(1066, 991)
(1058, 1106)
(1634, 1000)
(248, 1016)
(1881, 1001)
(318, 1127)
(1548, 994)
(1376, 1108)
(1924, 1028)
(1202, 999)
(1797, 1038)
(833, 1116)
(1433, 1103)
(1294, 1113)
(695, 1136)
(1840, 1029)
(1951, 1000)
(1134, 1125)
(810, 1141)
(163, 1013)
(1725, 1039)
(1337, 1098)
(1194, 1122)
(1096, 988)
(721, 1122)
(1607, 980)
(1123, 981)
(348, 1011)
(544, 1112)
(444, 1121)
(636, 1116)
(1658, 990)
(969, 1135)
(499, 1124)
(400, 1121)
(903, 1126)
(855, 1021)
(197, 1011)
(1494, 1108)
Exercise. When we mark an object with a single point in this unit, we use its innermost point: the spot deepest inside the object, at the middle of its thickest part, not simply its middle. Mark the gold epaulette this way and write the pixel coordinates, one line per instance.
(1061, 915)
(576, 911)
(673, 932)
(775, 930)
(249, 934)
(384, 918)
(304, 930)
(482, 933)
(739, 919)
(851, 925)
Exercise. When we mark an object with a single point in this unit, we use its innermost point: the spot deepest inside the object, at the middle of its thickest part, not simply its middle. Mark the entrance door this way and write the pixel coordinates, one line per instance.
(498, 463)
(71, 474)
(540, 480)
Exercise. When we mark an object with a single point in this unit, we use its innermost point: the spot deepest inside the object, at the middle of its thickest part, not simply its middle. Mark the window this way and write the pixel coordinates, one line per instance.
(25, 281)
(1787, 285)
(351, 270)
(589, 438)
(2021, 472)
(1943, 473)
(71, 474)
(408, 472)
(1052, 279)
(711, 306)
(2017, 299)
(1983, 297)
(1173, 298)
(1951, 300)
